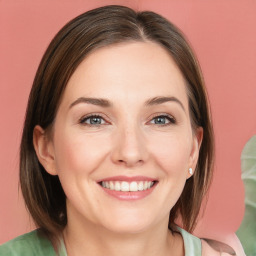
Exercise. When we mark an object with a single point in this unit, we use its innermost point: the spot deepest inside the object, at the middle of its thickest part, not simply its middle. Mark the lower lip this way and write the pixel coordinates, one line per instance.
(129, 196)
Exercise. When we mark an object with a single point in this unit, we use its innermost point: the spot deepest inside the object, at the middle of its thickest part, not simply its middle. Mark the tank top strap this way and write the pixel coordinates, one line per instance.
(192, 244)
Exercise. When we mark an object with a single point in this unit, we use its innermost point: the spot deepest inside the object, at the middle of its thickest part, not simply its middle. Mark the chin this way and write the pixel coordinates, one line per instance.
(129, 223)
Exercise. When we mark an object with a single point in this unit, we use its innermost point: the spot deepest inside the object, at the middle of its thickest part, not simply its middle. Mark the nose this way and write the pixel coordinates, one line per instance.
(129, 148)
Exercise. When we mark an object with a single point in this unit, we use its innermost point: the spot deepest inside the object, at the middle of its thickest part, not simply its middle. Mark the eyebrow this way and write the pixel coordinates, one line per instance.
(161, 100)
(94, 101)
(106, 103)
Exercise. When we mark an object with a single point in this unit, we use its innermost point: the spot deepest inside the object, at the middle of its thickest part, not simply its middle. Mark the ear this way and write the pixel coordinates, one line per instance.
(196, 144)
(44, 150)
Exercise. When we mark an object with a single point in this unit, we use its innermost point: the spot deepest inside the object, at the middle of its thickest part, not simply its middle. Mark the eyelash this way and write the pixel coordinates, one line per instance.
(85, 118)
(171, 120)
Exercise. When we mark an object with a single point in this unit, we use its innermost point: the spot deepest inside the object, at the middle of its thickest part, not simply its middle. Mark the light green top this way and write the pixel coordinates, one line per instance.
(33, 244)
(192, 244)
(30, 244)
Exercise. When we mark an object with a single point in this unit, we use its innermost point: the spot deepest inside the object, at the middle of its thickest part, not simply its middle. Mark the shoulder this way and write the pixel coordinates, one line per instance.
(33, 243)
(230, 244)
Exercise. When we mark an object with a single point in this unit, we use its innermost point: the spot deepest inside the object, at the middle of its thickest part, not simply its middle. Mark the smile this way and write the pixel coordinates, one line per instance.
(128, 188)
(125, 186)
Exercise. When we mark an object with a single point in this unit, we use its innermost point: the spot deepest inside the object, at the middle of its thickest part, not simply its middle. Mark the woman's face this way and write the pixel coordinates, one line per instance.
(123, 124)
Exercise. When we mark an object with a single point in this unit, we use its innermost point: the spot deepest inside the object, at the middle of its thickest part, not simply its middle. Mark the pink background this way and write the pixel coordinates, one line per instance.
(223, 34)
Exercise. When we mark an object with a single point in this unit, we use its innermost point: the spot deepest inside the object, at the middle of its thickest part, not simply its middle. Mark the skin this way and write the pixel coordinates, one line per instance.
(129, 140)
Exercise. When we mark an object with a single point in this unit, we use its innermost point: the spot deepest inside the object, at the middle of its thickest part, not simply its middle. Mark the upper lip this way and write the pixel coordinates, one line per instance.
(127, 178)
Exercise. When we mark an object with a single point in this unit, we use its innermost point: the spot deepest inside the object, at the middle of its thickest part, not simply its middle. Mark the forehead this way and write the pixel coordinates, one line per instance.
(127, 70)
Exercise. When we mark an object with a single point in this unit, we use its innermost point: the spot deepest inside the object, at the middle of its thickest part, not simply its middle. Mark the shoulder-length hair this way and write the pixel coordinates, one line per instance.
(43, 194)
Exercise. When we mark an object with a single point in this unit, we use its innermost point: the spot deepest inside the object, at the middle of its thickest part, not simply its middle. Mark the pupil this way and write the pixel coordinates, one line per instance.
(160, 120)
(95, 120)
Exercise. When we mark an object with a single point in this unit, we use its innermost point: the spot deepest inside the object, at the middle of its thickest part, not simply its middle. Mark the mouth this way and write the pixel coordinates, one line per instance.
(124, 186)
(128, 188)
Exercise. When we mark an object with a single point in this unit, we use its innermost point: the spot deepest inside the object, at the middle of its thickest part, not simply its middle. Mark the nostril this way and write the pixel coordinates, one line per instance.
(130, 162)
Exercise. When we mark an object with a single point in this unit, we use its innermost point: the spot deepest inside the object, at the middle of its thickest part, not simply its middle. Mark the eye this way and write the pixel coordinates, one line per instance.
(92, 120)
(163, 120)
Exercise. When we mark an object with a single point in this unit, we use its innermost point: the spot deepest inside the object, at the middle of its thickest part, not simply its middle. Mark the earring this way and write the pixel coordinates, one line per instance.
(190, 171)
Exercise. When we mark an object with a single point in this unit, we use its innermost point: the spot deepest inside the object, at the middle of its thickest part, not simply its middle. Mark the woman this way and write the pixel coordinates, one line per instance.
(117, 141)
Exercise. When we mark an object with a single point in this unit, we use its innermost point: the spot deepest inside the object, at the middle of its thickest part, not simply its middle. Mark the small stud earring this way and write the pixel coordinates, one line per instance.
(190, 171)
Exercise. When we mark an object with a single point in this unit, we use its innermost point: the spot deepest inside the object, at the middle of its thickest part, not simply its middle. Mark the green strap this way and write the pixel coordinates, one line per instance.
(192, 244)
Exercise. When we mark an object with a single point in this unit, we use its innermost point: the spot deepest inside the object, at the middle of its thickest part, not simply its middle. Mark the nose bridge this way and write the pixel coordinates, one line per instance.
(129, 148)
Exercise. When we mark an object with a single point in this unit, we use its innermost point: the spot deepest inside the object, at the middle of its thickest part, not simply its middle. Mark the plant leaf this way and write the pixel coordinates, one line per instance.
(247, 230)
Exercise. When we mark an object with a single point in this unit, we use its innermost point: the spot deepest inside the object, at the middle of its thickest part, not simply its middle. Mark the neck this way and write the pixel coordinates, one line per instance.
(91, 239)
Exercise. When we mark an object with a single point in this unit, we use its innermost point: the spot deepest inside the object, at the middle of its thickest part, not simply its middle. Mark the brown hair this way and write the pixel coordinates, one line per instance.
(43, 194)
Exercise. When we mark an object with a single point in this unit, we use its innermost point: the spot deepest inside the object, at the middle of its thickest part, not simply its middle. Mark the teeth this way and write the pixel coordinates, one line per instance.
(111, 185)
(134, 186)
(140, 186)
(124, 186)
(117, 186)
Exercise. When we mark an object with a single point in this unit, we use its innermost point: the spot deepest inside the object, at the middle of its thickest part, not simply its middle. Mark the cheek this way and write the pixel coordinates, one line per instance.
(171, 155)
(171, 152)
(77, 157)
(78, 154)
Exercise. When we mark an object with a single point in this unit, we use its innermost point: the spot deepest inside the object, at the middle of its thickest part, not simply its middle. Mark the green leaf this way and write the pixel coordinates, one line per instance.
(247, 230)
